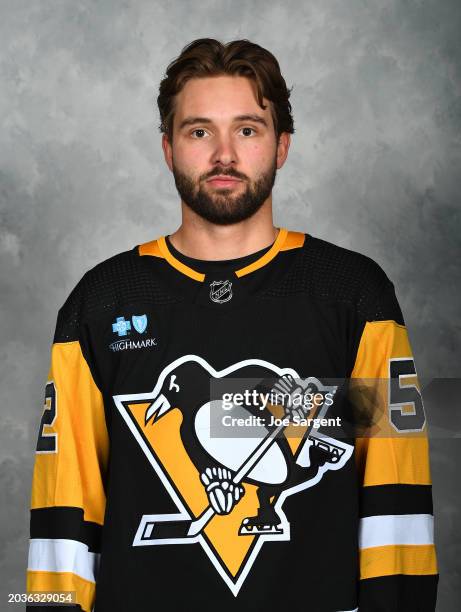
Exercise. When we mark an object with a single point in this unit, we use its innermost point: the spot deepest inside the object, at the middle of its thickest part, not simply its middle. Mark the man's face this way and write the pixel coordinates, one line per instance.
(220, 131)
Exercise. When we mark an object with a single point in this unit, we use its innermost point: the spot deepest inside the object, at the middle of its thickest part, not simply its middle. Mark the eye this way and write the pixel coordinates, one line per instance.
(198, 130)
(247, 127)
(173, 384)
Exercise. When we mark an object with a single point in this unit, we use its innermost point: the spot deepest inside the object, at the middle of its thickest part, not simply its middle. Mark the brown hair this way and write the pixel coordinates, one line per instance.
(206, 57)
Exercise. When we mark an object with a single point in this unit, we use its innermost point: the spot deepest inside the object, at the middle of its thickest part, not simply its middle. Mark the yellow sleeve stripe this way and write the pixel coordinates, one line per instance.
(63, 581)
(386, 457)
(73, 476)
(383, 461)
(403, 559)
(380, 341)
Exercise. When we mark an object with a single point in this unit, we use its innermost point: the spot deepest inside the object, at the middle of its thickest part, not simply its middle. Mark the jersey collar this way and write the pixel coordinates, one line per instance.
(285, 240)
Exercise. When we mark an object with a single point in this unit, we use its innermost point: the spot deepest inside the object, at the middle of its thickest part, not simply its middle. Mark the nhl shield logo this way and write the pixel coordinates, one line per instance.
(139, 323)
(221, 291)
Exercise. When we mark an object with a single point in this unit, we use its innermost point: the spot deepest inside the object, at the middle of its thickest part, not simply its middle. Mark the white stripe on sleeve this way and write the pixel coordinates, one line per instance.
(395, 529)
(63, 556)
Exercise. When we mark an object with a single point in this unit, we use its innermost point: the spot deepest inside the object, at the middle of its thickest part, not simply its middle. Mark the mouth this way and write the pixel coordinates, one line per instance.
(223, 181)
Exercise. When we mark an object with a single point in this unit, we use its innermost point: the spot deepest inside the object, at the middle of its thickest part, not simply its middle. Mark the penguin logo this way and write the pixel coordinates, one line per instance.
(229, 491)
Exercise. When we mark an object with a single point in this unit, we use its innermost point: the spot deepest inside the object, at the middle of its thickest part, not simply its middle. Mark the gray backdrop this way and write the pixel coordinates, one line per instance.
(374, 166)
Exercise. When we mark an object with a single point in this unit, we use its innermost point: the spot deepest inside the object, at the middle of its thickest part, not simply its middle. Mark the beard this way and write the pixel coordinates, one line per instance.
(223, 207)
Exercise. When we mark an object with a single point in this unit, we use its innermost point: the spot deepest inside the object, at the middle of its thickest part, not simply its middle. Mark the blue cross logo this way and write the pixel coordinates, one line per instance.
(121, 326)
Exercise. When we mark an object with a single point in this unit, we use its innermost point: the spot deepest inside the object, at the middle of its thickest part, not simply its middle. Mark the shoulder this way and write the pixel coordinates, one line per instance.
(121, 279)
(346, 269)
(331, 273)
(88, 291)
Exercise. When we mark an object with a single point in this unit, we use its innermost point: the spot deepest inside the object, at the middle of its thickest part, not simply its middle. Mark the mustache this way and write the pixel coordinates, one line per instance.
(231, 172)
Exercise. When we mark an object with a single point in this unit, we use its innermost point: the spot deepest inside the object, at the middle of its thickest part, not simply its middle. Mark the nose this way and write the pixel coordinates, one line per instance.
(224, 152)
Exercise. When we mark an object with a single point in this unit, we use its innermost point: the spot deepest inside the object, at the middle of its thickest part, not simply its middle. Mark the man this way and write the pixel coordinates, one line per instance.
(142, 496)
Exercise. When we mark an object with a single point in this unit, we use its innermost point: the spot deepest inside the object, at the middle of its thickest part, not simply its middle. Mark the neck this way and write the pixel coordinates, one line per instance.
(200, 239)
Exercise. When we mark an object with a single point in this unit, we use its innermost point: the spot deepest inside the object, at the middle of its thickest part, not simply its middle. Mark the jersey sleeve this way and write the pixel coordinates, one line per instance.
(397, 558)
(68, 485)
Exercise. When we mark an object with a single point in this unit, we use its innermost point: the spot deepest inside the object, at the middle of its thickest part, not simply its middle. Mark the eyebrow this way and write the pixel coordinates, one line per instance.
(249, 117)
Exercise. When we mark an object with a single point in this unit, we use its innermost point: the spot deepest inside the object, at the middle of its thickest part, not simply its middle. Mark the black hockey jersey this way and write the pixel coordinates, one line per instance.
(141, 495)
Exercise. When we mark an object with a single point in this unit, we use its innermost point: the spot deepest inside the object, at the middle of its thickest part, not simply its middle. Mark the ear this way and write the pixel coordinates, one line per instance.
(282, 148)
(167, 151)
